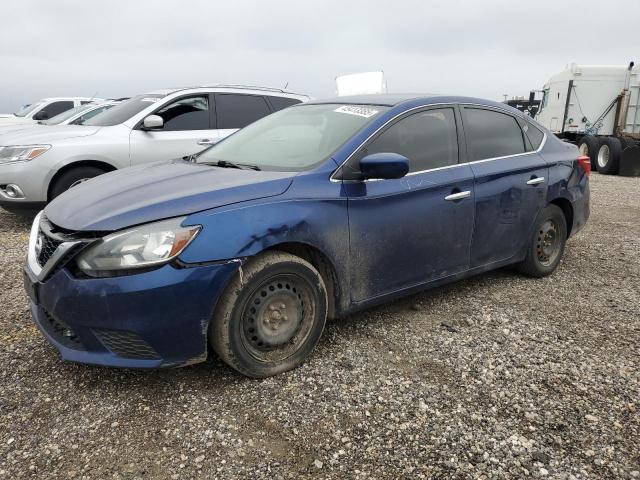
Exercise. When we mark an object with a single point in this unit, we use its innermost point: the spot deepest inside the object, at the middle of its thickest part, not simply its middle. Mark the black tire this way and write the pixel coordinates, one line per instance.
(541, 260)
(72, 177)
(589, 145)
(270, 316)
(609, 155)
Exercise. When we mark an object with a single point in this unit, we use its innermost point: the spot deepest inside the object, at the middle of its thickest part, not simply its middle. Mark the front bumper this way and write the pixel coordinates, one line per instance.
(153, 319)
(31, 177)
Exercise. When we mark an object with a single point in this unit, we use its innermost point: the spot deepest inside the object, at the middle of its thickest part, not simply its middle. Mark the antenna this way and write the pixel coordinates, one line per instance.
(285, 86)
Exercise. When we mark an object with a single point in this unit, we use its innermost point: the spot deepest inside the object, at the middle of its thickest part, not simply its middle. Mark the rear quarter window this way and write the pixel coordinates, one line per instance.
(492, 134)
(534, 134)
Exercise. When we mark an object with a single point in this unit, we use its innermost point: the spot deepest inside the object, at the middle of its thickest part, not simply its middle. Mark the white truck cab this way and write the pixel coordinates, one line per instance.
(44, 109)
(598, 108)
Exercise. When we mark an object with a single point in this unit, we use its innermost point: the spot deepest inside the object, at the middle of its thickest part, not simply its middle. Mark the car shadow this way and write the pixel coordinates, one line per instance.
(214, 375)
(15, 221)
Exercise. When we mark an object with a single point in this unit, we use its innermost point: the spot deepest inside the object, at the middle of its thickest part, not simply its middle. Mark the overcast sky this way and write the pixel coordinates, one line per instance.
(482, 48)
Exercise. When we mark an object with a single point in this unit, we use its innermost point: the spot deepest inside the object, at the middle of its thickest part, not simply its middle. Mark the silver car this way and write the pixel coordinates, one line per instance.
(38, 165)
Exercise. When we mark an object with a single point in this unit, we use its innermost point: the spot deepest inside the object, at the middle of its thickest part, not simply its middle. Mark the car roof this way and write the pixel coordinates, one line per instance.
(383, 99)
(416, 99)
(49, 99)
(225, 86)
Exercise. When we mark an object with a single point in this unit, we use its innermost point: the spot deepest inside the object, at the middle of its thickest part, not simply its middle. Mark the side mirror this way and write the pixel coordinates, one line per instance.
(41, 115)
(153, 122)
(384, 166)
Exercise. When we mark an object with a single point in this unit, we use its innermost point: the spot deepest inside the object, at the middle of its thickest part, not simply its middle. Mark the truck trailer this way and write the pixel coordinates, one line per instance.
(597, 107)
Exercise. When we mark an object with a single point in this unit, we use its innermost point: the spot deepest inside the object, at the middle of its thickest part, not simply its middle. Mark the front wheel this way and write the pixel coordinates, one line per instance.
(271, 315)
(546, 245)
(73, 177)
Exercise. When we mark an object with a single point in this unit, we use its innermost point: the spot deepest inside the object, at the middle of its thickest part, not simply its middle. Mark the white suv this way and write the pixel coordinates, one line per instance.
(36, 166)
(44, 109)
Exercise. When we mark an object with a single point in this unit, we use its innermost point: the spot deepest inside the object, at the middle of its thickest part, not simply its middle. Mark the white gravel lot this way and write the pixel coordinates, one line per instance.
(498, 376)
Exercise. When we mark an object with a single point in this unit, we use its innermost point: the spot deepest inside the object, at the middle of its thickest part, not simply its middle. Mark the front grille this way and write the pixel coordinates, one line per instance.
(49, 246)
(62, 332)
(126, 344)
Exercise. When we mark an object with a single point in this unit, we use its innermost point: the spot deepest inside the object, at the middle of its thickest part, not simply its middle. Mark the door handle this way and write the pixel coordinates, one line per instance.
(458, 195)
(206, 141)
(536, 181)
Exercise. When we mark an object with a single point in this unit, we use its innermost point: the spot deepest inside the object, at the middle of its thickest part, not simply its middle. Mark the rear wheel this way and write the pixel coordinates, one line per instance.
(588, 145)
(73, 177)
(270, 316)
(546, 245)
(609, 155)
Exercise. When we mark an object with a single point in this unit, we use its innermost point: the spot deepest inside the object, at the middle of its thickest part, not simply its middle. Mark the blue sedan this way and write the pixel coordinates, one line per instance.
(314, 212)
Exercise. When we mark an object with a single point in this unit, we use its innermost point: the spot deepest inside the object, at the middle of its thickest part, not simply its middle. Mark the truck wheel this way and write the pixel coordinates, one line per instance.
(546, 245)
(270, 316)
(629, 162)
(73, 177)
(588, 145)
(609, 155)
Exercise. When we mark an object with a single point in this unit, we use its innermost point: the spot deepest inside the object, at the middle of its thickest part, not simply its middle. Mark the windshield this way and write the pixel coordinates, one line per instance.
(123, 111)
(295, 139)
(58, 119)
(28, 109)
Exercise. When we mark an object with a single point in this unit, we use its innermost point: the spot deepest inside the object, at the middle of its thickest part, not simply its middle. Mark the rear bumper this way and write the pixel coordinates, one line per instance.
(152, 319)
(581, 210)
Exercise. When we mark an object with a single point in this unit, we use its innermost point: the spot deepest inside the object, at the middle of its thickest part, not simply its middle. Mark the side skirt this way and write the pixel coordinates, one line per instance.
(388, 297)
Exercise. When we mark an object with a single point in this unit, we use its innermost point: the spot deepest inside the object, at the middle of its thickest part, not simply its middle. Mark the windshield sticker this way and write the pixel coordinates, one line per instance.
(149, 99)
(365, 112)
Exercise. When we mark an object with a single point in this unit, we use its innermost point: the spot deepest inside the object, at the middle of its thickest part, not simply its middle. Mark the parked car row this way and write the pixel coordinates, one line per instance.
(44, 109)
(74, 116)
(38, 164)
(308, 213)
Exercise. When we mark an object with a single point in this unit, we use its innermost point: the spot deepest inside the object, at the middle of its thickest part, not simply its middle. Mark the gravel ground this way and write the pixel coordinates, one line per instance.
(498, 376)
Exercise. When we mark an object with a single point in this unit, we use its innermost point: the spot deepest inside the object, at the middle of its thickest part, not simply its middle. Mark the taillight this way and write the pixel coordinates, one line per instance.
(585, 163)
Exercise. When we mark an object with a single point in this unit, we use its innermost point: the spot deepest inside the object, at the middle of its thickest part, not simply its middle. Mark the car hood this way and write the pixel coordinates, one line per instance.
(156, 191)
(13, 120)
(14, 127)
(46, 134)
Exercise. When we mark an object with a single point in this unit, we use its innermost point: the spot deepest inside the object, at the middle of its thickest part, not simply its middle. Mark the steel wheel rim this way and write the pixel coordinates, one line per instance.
(548, 243)
(277, 318)
(603, 155)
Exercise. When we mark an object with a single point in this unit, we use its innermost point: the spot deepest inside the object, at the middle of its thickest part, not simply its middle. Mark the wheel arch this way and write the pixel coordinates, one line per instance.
(567, 210)
(107, 167)
(321, 262)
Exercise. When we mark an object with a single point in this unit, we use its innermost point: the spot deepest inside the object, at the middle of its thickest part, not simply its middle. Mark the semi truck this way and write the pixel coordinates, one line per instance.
(597, 107)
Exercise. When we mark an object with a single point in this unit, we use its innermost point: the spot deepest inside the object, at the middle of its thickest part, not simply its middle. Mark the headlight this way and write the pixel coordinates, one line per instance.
(139, 247)
(20, 153)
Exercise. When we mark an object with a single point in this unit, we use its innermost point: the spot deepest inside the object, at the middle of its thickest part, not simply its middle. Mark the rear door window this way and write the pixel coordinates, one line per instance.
(235, 110)
(189, 113)
(491, 134)
(278, 103)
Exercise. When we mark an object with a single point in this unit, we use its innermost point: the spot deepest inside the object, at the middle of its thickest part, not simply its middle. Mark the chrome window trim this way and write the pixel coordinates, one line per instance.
(489, 107)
